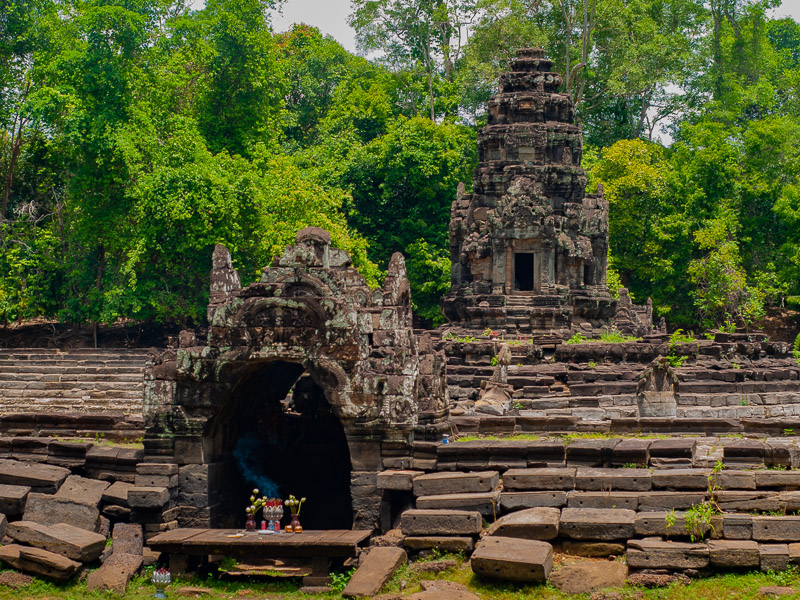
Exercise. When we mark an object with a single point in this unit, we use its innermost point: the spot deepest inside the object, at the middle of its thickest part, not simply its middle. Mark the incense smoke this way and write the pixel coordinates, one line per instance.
(249, 455)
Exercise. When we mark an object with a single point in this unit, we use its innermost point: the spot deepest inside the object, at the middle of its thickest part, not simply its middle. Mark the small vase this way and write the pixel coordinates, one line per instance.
(250, 524)
(295, 524)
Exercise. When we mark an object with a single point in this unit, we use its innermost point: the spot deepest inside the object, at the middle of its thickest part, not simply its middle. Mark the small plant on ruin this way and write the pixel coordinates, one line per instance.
(610, 336)
(699, 518)
(675, 360)
(729, 326)
(736, 366)
(577, 338)
(592, 364)
(743, 402)
(339, 580)
(669, 521)
(788, 431)
(494, 361)
(796, 349)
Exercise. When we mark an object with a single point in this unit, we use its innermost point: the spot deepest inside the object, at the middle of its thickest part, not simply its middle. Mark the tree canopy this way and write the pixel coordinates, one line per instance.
(138, 134)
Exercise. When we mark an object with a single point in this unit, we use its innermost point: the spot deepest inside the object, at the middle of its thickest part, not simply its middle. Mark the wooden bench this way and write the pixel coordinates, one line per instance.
(321, 547)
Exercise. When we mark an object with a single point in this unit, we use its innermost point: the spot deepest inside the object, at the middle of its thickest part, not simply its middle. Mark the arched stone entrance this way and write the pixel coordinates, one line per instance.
(311, 313)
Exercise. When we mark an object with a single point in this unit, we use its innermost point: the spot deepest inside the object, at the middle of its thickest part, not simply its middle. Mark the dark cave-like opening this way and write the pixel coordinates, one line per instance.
(278, 433)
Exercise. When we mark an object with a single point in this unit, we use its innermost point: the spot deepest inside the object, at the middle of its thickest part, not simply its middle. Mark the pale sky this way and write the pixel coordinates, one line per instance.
(330, 16)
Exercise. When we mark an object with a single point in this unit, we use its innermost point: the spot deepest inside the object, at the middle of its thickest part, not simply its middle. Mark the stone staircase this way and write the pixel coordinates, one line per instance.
(596, 382)
(86, 381)
(611, 496)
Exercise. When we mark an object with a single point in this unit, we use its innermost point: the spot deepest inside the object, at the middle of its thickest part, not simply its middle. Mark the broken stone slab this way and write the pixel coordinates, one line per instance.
(115, 573)
(147, 498)
(117, 494)
(774, 557)
(39, 477)
(531, 524)
(39, 562)
(445, 543)
(49, 510)
(12, 499)
(422, 522)
(73, 542)
(512, 559)
(397, 479)
(734, 554)
(374, 571)
(681, 479)
(539, 479)
(82, 489)
(433, 484)
(597, 523)
(520, 500)
(593, 549)
(776, 529)
(128, 538)
(656, 554)
(622, 480)
(586, 577)
(485, 503)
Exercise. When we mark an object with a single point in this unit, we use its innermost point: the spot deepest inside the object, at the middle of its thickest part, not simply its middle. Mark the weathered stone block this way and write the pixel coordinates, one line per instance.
(737, 527)
(455, 483)
(629, 500)
(39, 477)
(486, 503)
(88, 491)
(733, 479)
(539, 479)
(115, 573)
(400, 479)
(12, 499)
(147, 498)
(681, 479)
(531, 524)
(631, 480)
(655, 501)
(128, 539)
(784, 480)
(656, 554)
(49, 510)
(73, 542)
(443, 543)
(418, 522)
(117, 493)
(512, 559)
(597, 523)
(520, 500)
(774, 557)
(739, 554)
(593, 549)
(776, 529)
(374, 571)
(39, 562)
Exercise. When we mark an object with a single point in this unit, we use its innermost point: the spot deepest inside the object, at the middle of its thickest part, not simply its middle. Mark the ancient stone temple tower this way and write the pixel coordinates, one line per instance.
(529, 247)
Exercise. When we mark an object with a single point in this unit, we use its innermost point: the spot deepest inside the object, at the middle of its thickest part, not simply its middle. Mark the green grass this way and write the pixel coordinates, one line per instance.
(719, 587)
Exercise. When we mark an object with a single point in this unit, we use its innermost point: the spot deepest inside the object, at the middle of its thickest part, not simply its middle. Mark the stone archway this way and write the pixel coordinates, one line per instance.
(312, 311)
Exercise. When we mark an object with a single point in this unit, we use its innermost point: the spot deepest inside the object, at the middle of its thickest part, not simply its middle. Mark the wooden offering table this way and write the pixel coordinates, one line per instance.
(319, 546)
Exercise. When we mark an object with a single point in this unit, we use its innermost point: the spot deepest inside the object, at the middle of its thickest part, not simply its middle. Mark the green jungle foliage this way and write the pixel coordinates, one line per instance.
(136, 134)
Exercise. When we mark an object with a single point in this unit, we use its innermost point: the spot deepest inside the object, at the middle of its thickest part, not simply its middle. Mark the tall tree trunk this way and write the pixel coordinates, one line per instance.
(98, 286)
(16, 147)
